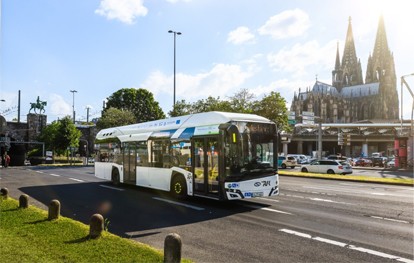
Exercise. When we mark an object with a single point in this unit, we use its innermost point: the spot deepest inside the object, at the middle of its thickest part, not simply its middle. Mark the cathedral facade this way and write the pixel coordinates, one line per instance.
(350, 98)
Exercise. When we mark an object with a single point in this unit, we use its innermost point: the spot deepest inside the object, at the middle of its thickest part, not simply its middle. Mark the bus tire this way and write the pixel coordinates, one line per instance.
(115, 177)
(178, 187)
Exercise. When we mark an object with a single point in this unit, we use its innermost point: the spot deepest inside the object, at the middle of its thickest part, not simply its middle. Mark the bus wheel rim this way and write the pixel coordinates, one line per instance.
(178, 188)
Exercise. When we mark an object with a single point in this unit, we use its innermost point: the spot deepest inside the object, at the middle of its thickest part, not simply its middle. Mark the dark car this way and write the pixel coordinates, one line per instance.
(378, 161)
(363, 162)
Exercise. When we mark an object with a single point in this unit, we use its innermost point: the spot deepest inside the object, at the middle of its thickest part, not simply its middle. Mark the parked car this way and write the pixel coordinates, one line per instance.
(328, 166)
(300, 158)
(378, 161)
(286, 161)
(391, 163)
(363, 162)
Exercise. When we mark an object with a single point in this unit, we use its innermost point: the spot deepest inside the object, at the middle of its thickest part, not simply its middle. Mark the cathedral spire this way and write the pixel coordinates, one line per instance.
(351, 70)
(381, 43)
(381, 62)
(337, 61)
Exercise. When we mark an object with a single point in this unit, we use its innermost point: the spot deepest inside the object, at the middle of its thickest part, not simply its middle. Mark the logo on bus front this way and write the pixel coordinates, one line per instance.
(233, 185)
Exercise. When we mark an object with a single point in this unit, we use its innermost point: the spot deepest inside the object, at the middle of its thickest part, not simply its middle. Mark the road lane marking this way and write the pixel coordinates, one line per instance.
(39, 172)
(180, 204)
(111, 187)
(56, 175)
(77, 180)
(344, 245)
(268, 209)
(328, 201)
(390, 219)
(268, 199)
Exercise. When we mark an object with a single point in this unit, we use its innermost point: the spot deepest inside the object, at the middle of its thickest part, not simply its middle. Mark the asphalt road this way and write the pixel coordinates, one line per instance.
(313, 220)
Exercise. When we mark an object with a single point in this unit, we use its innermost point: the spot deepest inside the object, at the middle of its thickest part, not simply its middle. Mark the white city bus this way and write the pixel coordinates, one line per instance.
(217, 155)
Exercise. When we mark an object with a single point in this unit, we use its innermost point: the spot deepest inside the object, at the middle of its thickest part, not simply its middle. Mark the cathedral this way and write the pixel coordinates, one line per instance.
(349, 98)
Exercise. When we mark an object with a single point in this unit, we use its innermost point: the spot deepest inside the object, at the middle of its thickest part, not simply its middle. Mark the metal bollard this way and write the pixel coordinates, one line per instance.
(4, 193)
(24, 201)
(172, 248)
(96, 226)
(54, 209)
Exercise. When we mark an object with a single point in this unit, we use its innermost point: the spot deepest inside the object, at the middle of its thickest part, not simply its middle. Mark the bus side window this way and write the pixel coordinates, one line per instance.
(142, 154)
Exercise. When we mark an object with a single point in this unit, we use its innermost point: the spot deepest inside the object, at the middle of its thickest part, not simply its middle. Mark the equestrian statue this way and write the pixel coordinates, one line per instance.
(40, 105)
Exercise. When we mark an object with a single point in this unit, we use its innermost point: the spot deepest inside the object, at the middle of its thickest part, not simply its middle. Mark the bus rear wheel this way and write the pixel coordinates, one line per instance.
(179, 187)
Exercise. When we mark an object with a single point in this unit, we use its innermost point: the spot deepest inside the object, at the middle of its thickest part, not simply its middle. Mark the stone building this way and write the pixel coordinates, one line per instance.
(349, 98)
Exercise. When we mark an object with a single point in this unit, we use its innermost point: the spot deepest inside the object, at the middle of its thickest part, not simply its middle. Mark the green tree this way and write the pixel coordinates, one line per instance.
(59, 135)
(242, 101)
(48, 135)
(181, 108)
(139, 101)
(67, 135)
(273, 107)
(210, 104)
(113, 117)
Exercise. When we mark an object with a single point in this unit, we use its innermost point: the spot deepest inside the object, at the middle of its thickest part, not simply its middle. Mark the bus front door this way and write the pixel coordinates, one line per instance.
(205, 168)
(130, 164)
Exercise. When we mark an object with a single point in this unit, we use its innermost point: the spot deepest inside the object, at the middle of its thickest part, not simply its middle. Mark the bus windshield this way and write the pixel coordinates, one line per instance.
(250, 155)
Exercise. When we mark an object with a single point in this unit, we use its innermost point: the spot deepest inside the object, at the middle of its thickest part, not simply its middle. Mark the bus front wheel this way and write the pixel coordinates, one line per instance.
(179, 187)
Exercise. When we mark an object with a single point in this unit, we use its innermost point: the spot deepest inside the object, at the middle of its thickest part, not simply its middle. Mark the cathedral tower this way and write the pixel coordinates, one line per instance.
(380, 68)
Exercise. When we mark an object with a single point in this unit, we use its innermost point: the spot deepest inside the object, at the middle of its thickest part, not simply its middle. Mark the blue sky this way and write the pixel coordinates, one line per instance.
(97, 47)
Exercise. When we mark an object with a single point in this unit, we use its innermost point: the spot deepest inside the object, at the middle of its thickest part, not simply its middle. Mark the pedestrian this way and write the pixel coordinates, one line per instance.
(7, 159)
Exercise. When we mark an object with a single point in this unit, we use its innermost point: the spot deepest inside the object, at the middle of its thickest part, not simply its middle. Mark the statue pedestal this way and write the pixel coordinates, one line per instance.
(35, 125)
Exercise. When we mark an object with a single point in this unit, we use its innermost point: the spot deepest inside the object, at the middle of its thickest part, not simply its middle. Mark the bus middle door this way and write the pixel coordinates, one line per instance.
(130, 163)
(205, 168)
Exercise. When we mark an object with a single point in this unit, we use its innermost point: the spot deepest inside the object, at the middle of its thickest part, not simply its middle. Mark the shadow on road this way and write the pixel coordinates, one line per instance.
(131, 208)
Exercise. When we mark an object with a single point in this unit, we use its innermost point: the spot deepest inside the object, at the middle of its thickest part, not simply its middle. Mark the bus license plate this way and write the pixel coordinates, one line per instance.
(257, 194)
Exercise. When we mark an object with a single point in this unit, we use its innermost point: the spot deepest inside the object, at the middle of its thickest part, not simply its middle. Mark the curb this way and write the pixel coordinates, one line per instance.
(352, 178)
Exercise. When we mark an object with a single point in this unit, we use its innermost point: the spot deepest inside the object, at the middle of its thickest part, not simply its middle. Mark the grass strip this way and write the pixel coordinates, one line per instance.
(359, 178)
(27, 236)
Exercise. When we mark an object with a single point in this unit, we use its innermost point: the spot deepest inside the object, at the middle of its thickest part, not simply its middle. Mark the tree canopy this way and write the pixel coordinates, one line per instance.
(272, 106)
(113, 117)
(138, 101)
(60, 134)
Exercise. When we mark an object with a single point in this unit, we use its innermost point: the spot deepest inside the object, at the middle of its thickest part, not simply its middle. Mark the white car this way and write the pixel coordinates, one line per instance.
(391, 163)
(285, 162)
(328, 167)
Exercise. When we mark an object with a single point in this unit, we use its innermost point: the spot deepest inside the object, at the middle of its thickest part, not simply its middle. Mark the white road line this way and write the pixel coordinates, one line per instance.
(344, 245)
(390, 219)
(110, 187)
(268, 209)
(39, 172)
(328, 201)
(77, 180)
(180, 204)
(56, 175)
(268, 199)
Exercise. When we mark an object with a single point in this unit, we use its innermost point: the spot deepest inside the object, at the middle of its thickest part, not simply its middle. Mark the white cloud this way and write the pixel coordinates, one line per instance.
(58, 106)
(240, 35)
(304, 57)
(124, 10)
(221, 81)
(290, 23)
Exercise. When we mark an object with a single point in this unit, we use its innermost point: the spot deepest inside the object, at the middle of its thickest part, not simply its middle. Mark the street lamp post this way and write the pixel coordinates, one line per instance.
(175, 33)
(73, 104)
